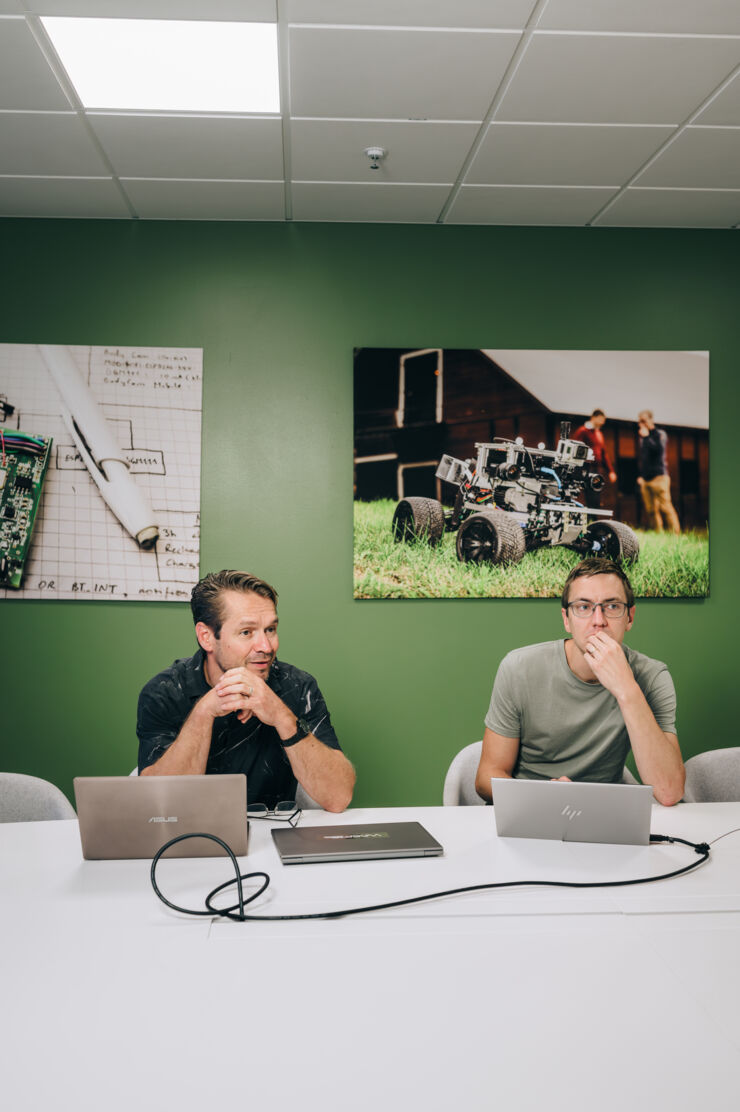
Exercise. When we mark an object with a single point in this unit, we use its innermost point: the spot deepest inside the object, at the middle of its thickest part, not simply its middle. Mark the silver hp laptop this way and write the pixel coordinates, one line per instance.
(618, 814)
(305, 845)
(133, 816)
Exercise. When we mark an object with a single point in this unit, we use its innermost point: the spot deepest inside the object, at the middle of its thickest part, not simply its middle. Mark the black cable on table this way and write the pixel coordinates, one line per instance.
(236, 911)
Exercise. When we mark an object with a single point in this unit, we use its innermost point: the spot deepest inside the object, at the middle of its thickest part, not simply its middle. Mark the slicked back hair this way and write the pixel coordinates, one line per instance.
(597, 565)
(206, 600)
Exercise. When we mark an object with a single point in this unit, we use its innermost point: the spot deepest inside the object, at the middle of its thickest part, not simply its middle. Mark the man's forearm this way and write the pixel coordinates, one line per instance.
(188, 753)
(325, 773)
(656, 753)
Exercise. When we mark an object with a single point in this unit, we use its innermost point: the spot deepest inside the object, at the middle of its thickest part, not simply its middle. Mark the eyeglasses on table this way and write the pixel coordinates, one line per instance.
(285, 811)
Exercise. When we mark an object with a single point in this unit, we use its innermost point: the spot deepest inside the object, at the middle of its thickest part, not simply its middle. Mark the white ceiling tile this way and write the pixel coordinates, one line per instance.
(411, 13)
(252, 11)
(332, 150)
(699, 158)
(408, 204)
(75, 197)
(415, 77)
(191, 146)
(725, 108)
(616, 79)
(720, 17)
(396, 74)
(674, 208)
(26, 81)
(206, 200)
(563, 154)
(47, 143)
(510, 204)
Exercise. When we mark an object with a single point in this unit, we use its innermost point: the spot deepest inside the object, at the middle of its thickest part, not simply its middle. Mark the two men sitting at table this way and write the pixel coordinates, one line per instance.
(565, 709)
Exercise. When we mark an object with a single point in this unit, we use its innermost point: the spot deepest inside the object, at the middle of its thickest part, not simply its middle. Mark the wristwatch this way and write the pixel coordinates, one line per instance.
(303, 730)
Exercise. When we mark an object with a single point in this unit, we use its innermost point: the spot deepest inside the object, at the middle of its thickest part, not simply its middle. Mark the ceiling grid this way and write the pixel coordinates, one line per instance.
(538, 112)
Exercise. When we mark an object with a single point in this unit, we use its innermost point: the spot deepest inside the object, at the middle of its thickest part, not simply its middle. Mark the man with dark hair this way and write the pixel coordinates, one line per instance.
(234, 707)
(590, 433)
(654, 480)
(572, 709)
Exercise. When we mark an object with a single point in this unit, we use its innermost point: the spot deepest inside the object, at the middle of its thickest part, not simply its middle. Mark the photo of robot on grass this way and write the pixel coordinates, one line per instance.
(488, 473)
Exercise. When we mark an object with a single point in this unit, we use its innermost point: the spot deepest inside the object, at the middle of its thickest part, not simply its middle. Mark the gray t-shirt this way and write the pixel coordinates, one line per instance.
(568, 727)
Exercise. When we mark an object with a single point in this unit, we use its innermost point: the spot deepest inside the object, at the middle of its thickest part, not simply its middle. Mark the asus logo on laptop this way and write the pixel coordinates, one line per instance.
(163, 818)
(369, 834)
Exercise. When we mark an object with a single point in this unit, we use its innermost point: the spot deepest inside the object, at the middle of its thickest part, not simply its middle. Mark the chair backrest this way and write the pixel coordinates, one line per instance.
(30, 799)
(713, 777)
(459, 786)
(304, 801)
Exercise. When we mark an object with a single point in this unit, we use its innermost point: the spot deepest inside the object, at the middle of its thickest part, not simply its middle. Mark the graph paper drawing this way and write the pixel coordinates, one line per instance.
(151, 400)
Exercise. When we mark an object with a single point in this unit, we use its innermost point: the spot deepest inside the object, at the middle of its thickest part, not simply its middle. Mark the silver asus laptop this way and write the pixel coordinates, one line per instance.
(618, 814)
(305, 845)
(133, 816)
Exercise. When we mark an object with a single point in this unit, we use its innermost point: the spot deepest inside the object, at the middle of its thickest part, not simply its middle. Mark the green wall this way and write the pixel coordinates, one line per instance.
(278, 310)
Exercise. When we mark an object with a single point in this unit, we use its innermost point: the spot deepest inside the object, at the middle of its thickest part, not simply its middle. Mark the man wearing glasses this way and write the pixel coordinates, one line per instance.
(572, 709)
(234, 707)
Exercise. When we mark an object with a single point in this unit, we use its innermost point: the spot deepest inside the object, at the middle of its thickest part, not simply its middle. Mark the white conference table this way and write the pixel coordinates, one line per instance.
(517, 999)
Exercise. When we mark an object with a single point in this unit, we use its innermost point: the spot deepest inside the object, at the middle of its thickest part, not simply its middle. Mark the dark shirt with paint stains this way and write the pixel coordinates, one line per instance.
(250, 747)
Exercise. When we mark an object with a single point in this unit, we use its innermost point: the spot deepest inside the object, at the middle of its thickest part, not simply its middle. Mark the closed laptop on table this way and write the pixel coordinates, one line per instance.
(134, 816)
(616, 814)
(305, 845)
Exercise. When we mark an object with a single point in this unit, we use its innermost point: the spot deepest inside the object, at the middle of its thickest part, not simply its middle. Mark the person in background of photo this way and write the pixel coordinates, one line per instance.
(590, 433)
(654, 481)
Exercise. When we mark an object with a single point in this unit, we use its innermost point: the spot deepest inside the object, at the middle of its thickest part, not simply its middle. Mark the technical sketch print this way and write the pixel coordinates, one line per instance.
(119, 512)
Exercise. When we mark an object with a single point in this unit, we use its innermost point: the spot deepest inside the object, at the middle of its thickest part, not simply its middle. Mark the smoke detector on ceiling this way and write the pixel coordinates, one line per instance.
(376, 156)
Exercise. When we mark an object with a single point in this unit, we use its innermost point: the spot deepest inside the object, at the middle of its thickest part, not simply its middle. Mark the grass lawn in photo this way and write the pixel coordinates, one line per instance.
(668, 565)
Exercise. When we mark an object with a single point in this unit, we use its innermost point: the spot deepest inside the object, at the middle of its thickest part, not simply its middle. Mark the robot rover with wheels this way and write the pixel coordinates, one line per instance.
(512, 499)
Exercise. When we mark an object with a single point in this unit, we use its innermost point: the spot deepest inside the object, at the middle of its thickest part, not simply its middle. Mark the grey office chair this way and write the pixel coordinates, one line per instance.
(713, 777)
(29, 799)
(304, 801)
(459, 786)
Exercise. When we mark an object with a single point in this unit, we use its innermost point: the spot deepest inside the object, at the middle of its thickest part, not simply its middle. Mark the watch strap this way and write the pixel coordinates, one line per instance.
(303, 730)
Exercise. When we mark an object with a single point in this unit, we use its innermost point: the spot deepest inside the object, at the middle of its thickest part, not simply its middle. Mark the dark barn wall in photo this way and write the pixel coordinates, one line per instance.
(479, 401)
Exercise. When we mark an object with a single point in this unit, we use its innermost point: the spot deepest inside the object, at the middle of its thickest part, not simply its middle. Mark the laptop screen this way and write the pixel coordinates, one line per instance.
(617, 814)
(134, 816)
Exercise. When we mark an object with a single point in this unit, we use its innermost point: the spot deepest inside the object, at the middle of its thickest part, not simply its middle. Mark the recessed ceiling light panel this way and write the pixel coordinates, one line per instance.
(169, 65)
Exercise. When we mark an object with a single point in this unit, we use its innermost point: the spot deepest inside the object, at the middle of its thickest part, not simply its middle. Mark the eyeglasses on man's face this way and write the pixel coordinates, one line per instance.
(612, 608)
(286, 811)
